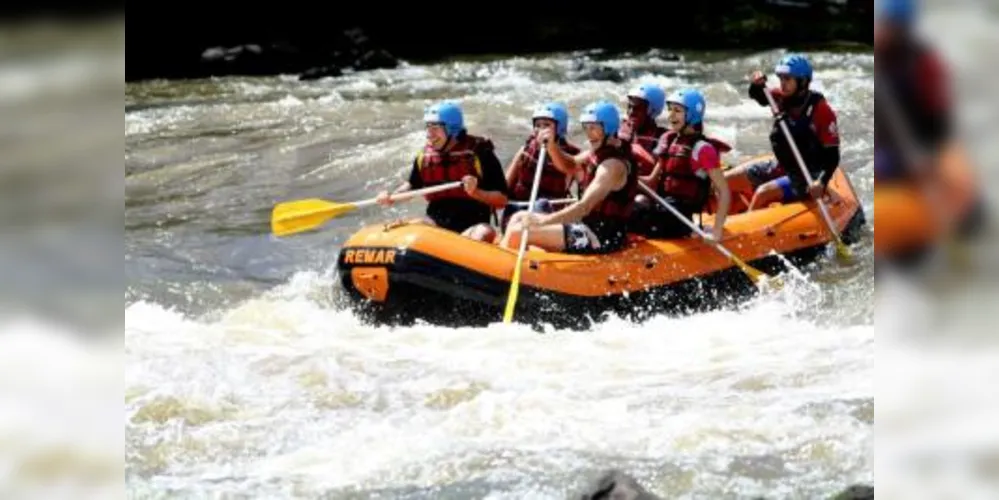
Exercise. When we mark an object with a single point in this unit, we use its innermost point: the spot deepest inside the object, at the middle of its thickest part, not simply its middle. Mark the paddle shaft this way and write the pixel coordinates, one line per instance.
(560, 201)
(515, 282)
(649, 191)
(405, 195)
(801, 164)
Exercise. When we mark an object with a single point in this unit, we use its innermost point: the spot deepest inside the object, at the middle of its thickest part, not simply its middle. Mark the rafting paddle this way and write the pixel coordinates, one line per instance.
(560, 201)
(841, 249)
(302, 215)
(754, 274)
(511, 299)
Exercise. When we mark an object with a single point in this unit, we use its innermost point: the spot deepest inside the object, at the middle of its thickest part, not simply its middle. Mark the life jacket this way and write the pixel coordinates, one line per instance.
(679, 180)
(799, 123)
(648, 135)
(900, 77)
(440, 167)
(616, 207)
(554, 183)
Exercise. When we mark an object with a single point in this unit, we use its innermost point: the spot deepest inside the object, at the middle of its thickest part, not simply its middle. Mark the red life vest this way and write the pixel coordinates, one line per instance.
(645, 138)
(648, 136)
(802, 129)
(679, 180)
(618, 204)
(440, 167)
(554, 182)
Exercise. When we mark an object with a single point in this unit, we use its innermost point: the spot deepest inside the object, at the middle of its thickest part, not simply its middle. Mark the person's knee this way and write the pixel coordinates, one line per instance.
(765, 194)
(787, 189)
(480, 232)
(511, 237)
(516, 219)
(642, 202)
(759, 174)
(767, 188)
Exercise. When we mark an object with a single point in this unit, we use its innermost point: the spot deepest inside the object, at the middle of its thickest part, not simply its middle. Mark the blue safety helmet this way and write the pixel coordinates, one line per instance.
(895, 11)
(556, 112)
(448, 114)
(794, 65)
(652, 94)
(693, 103)
(605, 113)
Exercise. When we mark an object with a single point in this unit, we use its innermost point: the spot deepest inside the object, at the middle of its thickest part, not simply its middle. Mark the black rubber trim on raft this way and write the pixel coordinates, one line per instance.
(423, 287)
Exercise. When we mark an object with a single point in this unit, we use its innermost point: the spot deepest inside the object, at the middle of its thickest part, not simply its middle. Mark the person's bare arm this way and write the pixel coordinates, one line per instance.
(384, 198)
(724, 201)
(610, 176)
(511, 169)
(653, 177)
(566, 163)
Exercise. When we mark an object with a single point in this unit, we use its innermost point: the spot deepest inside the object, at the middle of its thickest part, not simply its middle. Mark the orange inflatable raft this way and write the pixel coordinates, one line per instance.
(910, 222)
(401, 273)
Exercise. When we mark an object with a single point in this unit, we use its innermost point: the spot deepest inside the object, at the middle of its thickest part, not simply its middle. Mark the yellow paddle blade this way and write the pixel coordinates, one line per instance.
(511, 299)
(298, 216)
(842, 250)
(756, 275)
(958, 253)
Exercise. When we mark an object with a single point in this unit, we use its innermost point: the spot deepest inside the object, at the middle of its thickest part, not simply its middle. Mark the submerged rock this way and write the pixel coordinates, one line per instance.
(614, 484)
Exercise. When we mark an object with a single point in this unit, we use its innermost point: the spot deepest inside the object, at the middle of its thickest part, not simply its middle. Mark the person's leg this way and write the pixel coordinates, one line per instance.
(779, 190)
(580, 238)
(515, 225)
(738, 179)
(643, 202)
(747, 178)
(480, 232)
(667, 227)
(509, 212)
(643, 217)
(550, 237)
(766, 194)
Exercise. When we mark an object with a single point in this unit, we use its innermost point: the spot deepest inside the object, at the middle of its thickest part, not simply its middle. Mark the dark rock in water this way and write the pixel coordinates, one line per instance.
(251, 59)
(375, 59)
(856, 492)
(356, 36)
(601, 73)
(664, 55)
(310, 59)
(181, 41)
(615, 485)
(319, 72)
(853, 492)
